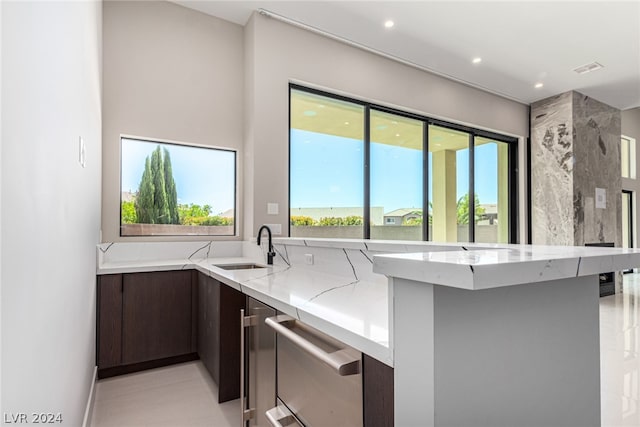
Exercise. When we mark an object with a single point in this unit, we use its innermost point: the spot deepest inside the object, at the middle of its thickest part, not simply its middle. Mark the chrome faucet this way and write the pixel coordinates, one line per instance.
(270, 253)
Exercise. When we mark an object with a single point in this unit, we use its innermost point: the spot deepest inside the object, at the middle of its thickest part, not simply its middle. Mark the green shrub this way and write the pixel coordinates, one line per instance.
(338, 221)
(301, 220)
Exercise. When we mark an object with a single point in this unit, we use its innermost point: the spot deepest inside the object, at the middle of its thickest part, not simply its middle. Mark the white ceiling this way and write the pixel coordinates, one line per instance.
(520, 43)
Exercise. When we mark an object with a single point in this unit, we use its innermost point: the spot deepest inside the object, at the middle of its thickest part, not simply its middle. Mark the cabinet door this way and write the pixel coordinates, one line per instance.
(208, 340)
(231, 302)
(156, 315)
(109, 314)
(377, 383)
(218, 334)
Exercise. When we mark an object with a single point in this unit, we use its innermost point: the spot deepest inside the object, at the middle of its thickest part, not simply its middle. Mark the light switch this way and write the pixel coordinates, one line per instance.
(272, 209)
(308, 259)
(82, 155)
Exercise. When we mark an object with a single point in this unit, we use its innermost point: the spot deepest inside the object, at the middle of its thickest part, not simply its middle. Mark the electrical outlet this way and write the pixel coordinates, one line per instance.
(308, 259)
(276, 229)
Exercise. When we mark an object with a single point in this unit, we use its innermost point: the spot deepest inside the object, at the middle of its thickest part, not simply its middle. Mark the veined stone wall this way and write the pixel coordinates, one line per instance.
(552, 171)
(575, 149)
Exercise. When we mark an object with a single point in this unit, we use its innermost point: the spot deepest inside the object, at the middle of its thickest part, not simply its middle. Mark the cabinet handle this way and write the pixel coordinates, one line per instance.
(246, 414)
(279, 416)
(341, 361)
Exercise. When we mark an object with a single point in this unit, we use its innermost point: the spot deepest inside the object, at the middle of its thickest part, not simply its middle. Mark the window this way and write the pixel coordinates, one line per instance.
(171, 189)
(491, 195)
(627, 157)
(326, 170)
(627, 219)
(449, 184)
(359, 170)
(396, 159)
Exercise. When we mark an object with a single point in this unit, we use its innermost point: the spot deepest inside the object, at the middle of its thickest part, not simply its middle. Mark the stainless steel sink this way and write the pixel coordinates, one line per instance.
(249, 266)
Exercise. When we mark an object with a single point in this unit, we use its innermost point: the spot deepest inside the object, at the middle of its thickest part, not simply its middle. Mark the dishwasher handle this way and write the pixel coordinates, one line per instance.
(341, 361)
(280, 416)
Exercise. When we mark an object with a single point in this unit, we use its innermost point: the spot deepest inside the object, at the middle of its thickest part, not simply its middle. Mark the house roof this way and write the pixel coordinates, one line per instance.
(403, 212)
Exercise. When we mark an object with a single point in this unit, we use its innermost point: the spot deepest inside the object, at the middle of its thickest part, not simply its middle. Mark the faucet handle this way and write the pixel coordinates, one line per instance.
(270, 256)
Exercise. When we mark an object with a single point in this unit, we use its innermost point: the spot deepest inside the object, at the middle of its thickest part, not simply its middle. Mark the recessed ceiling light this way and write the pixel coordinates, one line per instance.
(346, 123)
(538, 85)
(397, 134)
(389, 23)
(476, 60)
(309, 113)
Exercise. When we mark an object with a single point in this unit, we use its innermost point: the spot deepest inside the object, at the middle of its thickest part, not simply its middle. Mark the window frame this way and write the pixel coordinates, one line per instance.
(632, 156)
(182, 144)
(512, 164)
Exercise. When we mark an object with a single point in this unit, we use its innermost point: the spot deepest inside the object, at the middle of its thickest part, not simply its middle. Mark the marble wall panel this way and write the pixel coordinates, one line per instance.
(597, 153)
(575, 148)
(552, 171)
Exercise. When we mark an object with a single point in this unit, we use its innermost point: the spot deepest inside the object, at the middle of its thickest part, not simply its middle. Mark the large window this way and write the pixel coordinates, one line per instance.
(172, 189)
(627, 157)
(361, 170)
(491, 184)
(449, 185)
(396, 160)
(326, 155)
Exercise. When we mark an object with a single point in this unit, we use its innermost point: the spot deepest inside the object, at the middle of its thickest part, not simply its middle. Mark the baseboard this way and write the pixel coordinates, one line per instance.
(88, 412)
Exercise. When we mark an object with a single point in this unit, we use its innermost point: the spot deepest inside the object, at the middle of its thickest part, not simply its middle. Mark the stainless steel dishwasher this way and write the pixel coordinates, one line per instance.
(319, 379)
(257, 364)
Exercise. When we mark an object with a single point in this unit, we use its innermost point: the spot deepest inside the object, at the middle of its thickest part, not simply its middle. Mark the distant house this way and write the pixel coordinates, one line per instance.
(229, 213)
(400, 216)
(490, 215)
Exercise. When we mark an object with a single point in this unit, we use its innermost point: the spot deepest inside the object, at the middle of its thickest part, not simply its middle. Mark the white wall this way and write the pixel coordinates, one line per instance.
(50, 205)
(169, 73)
(282, 53)
(174, 73)
(631, 128)
(1, 209)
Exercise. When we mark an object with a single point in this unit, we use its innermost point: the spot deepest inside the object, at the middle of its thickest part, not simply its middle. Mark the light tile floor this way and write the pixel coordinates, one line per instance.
(620, 355)
(174, 396)
(185, 395)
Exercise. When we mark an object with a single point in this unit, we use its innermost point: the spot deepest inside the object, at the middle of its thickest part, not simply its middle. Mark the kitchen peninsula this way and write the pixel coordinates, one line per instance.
(477, 334)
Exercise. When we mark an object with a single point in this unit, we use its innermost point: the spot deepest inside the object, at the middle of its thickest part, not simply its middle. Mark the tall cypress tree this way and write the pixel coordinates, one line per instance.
(170, 189)
(160, 205)
(144, 200)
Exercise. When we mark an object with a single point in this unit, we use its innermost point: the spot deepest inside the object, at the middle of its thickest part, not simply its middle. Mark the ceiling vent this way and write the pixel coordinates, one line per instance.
(587, 68)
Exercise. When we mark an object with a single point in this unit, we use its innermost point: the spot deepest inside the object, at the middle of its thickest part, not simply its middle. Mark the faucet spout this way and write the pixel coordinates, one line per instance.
(270, 253)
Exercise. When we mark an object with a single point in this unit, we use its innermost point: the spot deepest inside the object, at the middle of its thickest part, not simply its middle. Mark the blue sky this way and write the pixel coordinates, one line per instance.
(202, 175)
(327, 172)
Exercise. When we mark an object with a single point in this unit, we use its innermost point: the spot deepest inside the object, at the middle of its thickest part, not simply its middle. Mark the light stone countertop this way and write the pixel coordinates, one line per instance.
(476, 269)
(344, 292)
(353, 310)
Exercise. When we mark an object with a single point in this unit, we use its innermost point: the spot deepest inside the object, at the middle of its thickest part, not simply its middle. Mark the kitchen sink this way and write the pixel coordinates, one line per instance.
(249, 266)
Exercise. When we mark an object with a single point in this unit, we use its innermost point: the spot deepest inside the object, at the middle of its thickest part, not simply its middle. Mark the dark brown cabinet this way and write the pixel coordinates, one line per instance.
(377, 386)
(145, 320)
(109, 321)
(218, 334)
(156, 315)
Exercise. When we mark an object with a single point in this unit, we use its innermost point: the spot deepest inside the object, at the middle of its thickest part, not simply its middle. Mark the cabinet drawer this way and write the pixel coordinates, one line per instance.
(317, 394)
